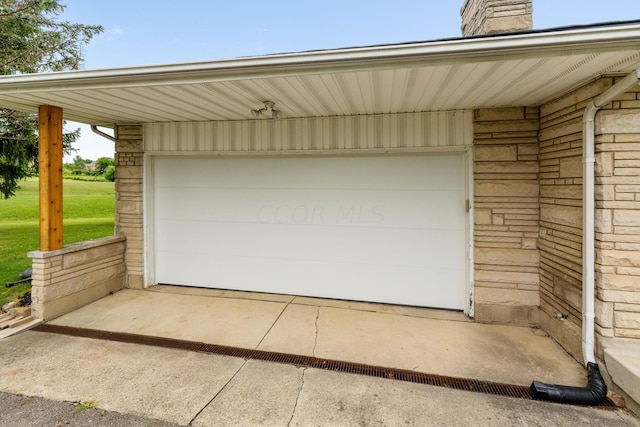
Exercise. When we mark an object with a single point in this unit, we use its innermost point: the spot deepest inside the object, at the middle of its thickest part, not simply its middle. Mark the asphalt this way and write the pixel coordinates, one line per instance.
(42, 374)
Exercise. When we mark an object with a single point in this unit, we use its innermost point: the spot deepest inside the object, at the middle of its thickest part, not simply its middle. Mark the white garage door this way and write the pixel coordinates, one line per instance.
(370, 228)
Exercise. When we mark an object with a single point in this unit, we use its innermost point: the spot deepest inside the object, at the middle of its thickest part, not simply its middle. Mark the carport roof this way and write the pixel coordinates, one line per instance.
(526, 68)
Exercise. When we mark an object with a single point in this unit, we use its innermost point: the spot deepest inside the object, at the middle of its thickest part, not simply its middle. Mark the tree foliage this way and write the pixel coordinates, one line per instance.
(33, 40)
(103, 163)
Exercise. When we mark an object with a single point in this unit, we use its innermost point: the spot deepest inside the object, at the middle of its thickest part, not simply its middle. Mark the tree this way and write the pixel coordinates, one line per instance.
(102, 164)
(110, 173)
(33, 40)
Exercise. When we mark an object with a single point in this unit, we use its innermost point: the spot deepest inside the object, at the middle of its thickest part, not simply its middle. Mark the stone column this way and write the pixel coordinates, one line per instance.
(129, 199)
(618, 221)
(506, 193)
(495, 16)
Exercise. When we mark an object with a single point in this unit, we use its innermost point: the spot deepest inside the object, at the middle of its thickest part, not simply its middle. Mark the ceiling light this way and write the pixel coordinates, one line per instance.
(268, 111)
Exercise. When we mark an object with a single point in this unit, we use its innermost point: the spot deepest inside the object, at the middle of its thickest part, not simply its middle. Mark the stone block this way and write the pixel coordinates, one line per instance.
(506, 167)
(627, 307)
(605, 192)
(507, 277)
(499, 114)
(604, 314)
(130, 231)
(618, 121)
(497, 153)
(575, 97)
(128, 172)
(529, 243)
(128, 207)
(502, 296)
(129, 146)
(509, 189)
(632, 271)
(626, 217)
(506, 314)
(94, 254)
(129, 187)
(603, 221)
(135, 281)
(618, 258)
(82, 281)
(528, 150)
(561, 191)
(565, 215)
(619, 296)
(52, 309)
(566, 332)
(504, 257)
(627, 320)
(618, 282)
(570, 167)
(482, 216)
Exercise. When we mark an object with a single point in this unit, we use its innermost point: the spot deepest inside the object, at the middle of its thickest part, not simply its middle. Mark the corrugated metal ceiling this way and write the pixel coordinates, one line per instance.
(336, 87)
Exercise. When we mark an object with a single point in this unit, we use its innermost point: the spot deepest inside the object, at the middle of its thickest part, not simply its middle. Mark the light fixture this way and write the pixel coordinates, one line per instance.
(269, 111)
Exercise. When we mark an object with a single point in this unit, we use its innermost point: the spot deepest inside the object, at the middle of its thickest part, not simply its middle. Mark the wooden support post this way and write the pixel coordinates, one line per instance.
(50, 177)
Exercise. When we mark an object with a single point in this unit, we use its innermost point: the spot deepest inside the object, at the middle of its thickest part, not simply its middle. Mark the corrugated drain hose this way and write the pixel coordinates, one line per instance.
(593, 394)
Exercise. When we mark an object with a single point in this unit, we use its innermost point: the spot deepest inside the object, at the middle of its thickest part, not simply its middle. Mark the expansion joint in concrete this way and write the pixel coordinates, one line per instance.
(295, 406)
(215, 396)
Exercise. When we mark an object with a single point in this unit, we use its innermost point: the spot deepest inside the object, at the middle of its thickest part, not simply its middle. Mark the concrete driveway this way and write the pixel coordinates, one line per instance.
(191, 388)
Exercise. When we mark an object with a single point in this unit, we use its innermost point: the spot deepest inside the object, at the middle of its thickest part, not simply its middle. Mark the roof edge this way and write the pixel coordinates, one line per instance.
(617, 36)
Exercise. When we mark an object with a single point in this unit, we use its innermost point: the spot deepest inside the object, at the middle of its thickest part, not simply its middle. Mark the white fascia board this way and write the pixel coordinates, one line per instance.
(513, 46)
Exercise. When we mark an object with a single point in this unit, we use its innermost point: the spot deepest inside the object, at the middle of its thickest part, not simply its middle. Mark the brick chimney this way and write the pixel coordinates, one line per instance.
(495, 16)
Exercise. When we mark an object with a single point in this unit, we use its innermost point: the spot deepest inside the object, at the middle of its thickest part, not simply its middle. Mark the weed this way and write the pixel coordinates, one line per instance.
(84, 405)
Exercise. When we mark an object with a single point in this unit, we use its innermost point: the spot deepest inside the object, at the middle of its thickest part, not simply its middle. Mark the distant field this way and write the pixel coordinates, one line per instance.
(88, 214)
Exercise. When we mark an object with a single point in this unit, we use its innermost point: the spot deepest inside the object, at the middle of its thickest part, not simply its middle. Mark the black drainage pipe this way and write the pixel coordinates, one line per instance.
(593, 394)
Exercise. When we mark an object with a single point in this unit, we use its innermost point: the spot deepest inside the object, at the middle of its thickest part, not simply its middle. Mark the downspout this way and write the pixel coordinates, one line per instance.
(97, 131)
(596, 390)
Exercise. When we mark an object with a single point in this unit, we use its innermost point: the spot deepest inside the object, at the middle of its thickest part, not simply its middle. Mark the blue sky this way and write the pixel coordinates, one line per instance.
(144, 32)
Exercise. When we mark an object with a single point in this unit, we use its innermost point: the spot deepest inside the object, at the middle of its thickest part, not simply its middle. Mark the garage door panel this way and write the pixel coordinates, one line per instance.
(383, 283)
(386, 229)
(359, 245)
(371, 172)
(399, 209)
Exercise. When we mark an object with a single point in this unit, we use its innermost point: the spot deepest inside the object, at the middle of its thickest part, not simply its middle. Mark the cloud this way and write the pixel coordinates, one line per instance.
(112, 33)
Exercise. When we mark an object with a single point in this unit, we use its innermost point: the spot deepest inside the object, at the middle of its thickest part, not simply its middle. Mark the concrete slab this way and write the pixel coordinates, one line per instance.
(336, 399)
(189, 388)
(400, 337)
(489, 352)
(624, 367)
(428, 313)
(220, 293)
(171, 385)
(226, 321)
(261, 394)
(294, 332)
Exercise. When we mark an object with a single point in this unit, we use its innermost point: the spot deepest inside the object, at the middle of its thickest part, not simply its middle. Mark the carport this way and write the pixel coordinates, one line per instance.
(406, 174)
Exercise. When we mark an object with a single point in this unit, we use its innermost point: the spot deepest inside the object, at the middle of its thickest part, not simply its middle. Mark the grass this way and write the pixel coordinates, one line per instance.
(88, 214)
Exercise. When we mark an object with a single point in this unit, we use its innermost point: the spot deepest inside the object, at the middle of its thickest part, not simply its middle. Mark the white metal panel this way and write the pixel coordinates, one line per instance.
(374, 228)
(418, 130)
(429, 87)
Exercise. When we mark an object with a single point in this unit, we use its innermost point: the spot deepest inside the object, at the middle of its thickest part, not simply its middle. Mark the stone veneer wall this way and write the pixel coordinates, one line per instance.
(76, 275)
(129, 199)
(506, 191)
(618, 221)
(495, 16)
(561, 124)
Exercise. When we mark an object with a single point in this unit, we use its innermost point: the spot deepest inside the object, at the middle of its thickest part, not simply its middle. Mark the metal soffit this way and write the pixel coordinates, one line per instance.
(457, 74)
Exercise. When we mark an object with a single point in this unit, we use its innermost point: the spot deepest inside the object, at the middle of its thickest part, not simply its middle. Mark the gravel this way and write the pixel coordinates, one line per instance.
(25, 411)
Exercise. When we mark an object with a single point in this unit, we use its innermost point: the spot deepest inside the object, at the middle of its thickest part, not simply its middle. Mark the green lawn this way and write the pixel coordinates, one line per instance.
(88, 213)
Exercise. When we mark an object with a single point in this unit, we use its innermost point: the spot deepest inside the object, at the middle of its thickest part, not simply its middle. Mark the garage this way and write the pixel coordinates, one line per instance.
(373, 228)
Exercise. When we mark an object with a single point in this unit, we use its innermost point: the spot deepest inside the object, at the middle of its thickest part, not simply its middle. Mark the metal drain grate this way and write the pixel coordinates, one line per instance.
(478, 386)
